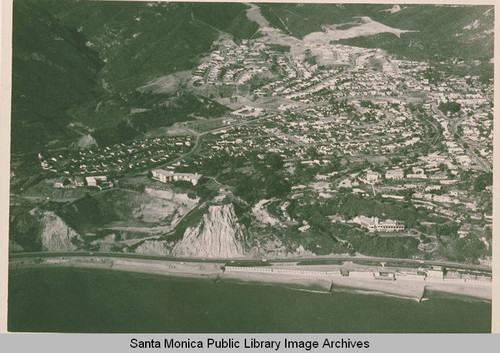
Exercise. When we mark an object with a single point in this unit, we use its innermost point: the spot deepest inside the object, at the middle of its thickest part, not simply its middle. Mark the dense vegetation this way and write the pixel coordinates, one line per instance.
(158, 110)
(88, 212)
(52, 71)
(482, 181)
(449, 107)
(433, 37)
(24, 229)
(83, 61)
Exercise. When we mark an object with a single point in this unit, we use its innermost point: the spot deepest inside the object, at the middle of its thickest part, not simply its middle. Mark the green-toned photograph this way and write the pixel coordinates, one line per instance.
(183, 167)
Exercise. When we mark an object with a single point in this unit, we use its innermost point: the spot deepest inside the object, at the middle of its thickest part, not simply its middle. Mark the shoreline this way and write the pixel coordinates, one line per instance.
(326, 284)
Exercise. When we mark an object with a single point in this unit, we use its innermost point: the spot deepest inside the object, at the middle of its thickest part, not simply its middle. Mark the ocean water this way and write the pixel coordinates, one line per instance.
(92, 300)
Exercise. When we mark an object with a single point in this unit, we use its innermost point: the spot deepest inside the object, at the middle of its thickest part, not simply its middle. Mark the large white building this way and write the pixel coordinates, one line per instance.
(166, 176)
(374, 225)
(94, 180)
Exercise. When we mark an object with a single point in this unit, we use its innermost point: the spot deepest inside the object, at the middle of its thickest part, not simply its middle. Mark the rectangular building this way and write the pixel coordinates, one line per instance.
(166, 176)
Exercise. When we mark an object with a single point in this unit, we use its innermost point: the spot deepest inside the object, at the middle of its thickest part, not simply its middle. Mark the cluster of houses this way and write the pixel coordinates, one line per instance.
(139, 154)
(103, 182)
(356, 83)
(482, 142)
(305, 80)
(233, 64)
(347, 109)
(300, 80)
(99, 181)
(360, 81)
(329, 130)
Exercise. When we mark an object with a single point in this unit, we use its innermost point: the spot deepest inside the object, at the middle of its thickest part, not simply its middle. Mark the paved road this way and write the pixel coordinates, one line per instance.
(304, 260)
(453, 127)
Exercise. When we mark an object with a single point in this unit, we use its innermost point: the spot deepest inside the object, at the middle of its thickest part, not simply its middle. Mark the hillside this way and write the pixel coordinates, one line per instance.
(52, 71)
(83, 61)
(438, 32)
(217, 235)
(37, 230)
(228, 130)
(458, 34)
(140, 41)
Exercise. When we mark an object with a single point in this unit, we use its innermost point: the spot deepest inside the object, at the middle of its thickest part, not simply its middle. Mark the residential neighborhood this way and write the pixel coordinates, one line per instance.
(335, 158)
(322, 146)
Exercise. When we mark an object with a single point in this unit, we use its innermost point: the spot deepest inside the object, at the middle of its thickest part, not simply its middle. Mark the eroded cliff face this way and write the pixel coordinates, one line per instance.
(218, 235)
(56, 235)
(154, 247)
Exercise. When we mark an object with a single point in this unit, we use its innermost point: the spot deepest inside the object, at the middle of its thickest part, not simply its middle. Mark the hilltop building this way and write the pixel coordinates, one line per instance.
(69, 183)
(374, 225)
(99, 181)
(166, 176)
(94, 180)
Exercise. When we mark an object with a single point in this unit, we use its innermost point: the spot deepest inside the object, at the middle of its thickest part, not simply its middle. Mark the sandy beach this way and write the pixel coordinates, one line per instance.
(479, 292)
(302, 282)
(311, 277)
(165, 268)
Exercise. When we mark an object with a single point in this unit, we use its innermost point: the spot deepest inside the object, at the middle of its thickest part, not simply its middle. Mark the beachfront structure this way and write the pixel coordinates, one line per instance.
(387, 276)
(166, 176)
(410, 276)
(288, 271)
(373, 224)
(436, 272)
(361, 274)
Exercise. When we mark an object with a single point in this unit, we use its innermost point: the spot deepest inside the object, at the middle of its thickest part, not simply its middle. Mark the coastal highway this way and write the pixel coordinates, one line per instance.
(317, 260)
